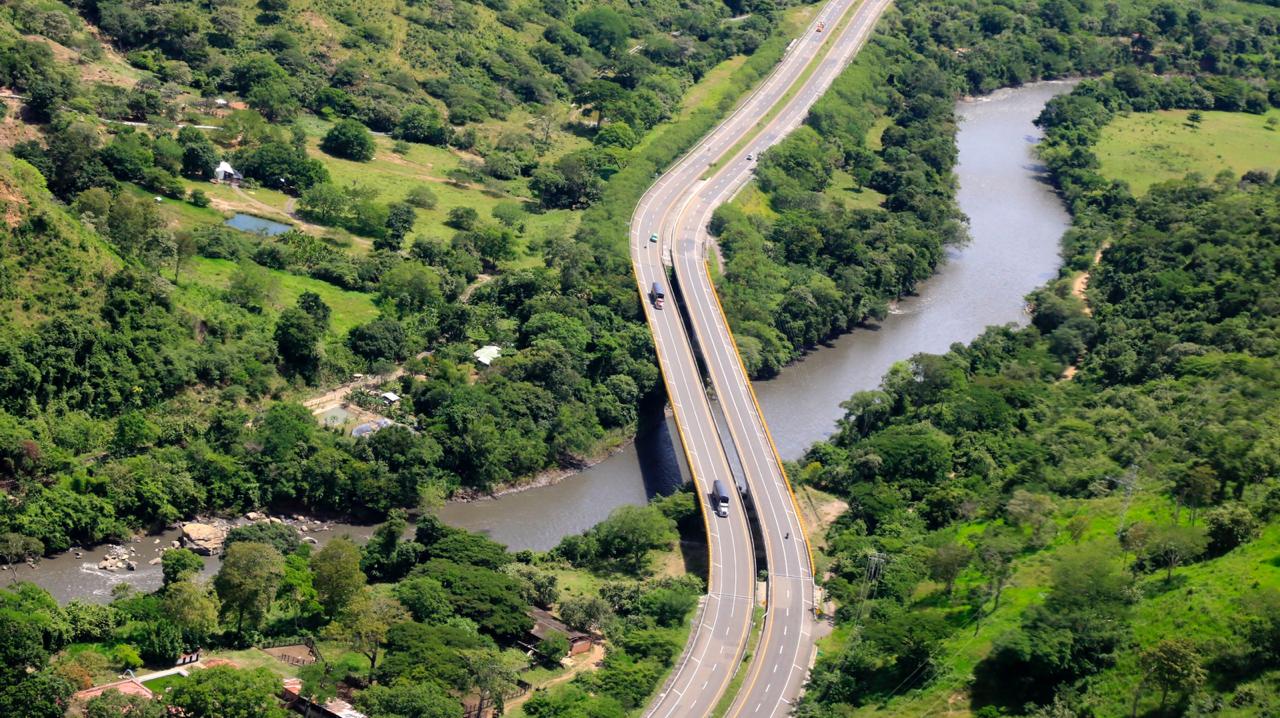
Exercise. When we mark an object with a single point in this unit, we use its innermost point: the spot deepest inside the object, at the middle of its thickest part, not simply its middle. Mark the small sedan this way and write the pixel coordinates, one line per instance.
(653, 237)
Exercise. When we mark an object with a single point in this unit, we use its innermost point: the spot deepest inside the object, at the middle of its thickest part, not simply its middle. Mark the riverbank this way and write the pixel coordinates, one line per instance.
(1016, 223)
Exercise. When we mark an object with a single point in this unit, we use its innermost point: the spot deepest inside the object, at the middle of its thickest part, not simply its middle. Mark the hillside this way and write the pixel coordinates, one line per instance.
(1078, 518)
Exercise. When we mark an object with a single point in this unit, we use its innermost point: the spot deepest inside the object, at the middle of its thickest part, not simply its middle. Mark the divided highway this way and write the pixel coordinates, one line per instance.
(677, 208)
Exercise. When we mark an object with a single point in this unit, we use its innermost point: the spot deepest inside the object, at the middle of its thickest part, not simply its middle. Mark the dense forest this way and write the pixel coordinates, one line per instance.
(855, 208)
(1078, 518)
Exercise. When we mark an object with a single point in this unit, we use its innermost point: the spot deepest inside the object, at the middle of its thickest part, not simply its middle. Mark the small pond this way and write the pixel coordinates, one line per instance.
(256, 225)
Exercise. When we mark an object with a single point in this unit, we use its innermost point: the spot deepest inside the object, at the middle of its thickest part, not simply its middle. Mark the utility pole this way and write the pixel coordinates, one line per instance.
(875, 568)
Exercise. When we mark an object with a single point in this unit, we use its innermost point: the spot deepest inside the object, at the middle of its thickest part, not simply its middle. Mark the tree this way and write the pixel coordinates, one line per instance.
(17, 548)
(462, 218)
(21, 646)
(400, 220)
(616, 134)
(1229, 526)
(585, 613)
(510, 214)
(995, 553)
(379, 340)
(184, 243)
(159, 642)
(114, 704)
(350, 140)
(247, 582)
(1173, 665)
(419, 123)
(1029, 509)
(319, 683)
(225, 692)
(365, 621)
(199, 158)
(314, 305)
(604, 28)
(553, 648)
(630, 533)
(492, 599)
(946, 563)
(338, 577)
(1194, 488)
(325, 204)
(425, 598)
(1171, 546)
(39, 695)
(493, 675)
(180, 564)
(408, 699)
(297, 338)
(193, 609)
(386, 557)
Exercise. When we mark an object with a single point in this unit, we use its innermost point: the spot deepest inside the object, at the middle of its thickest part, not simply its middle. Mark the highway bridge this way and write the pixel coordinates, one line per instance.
(677, 209)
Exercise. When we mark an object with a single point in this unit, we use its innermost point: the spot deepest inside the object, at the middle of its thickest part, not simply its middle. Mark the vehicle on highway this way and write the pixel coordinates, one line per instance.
(821, 25)
(749, 158)
(657, 295)
(653, 237)
(720, 498)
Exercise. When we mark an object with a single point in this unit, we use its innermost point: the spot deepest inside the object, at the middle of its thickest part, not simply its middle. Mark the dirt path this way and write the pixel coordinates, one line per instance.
(1079, 286)
(337, 396)
(1081, 283)
(481, 280)
(582, 662)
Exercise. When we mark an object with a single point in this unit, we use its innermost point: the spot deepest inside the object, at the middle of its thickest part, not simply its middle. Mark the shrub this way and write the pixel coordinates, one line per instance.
(350, 140)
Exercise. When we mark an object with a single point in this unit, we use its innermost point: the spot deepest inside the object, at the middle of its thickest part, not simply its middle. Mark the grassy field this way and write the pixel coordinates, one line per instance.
(1144, 148)
(349, 308)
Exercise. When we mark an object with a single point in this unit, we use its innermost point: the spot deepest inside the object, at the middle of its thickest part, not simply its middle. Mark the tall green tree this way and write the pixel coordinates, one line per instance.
(366, 621)
(338, 577)
(226, 692)
(247, 582)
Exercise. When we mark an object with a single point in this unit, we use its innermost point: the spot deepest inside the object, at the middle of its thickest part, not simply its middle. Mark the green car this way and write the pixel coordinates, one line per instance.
(653, 237)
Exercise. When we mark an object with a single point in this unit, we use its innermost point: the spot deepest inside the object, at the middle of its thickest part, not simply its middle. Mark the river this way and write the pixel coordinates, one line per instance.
(1015, 221)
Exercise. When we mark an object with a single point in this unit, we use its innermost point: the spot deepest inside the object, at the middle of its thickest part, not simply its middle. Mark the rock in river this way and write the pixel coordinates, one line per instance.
(204, 539)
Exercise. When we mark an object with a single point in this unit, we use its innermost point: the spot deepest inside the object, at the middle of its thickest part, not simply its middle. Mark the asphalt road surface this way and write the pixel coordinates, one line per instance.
(677, 208)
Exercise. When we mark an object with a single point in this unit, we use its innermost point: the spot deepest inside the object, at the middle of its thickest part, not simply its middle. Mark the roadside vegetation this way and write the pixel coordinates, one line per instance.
(1079, 518)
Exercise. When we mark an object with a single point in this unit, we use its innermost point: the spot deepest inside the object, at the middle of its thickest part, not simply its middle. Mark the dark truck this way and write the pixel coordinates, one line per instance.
(720, 498)
(657, 295)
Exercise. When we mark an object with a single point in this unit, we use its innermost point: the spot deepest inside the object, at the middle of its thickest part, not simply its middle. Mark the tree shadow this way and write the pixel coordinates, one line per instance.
(1160, 586)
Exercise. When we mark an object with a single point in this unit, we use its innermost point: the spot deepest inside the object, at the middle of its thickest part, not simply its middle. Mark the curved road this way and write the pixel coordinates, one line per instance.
(677, 208)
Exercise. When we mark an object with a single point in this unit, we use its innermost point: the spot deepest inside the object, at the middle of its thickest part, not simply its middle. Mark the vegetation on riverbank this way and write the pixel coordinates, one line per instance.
(853, 210)
(412, 628)
(1101, 545)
